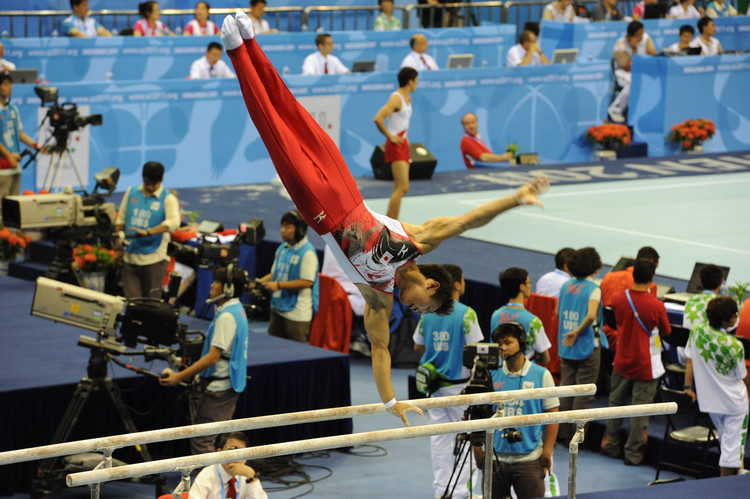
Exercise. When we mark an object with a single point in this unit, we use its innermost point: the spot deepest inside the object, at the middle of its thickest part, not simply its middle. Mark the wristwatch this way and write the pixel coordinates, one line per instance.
(687, 387)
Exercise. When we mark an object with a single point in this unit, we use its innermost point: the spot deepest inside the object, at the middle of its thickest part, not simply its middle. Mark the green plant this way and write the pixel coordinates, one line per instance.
(739, 290)
(512, 148)
(192, 215)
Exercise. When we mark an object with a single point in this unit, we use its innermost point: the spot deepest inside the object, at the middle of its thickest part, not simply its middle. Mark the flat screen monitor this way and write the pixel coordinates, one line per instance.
(460, 61)
(565, 56)
(23, 75)
(623, 263)
(363, 67)
(694, 285)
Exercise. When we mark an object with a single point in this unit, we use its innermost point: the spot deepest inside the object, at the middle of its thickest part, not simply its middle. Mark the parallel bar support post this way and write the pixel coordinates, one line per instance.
(489, 464)
(573, 459)
(183, 486)
(106, 462)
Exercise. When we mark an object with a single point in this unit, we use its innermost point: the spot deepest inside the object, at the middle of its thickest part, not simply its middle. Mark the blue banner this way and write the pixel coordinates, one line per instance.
(201, 131)
(157, 58)
(669, 90)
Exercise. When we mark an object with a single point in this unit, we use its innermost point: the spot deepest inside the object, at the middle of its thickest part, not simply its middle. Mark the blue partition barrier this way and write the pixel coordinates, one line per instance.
(201, 131)
(156, 58)
(666, 91)
(596, 40)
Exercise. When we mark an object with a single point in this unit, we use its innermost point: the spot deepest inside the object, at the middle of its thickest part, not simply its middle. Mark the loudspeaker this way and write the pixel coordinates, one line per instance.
(423, 163)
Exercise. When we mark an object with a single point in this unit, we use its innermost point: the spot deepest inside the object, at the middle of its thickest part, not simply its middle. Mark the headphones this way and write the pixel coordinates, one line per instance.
(229, 285)
(300, 227)
(514, 329)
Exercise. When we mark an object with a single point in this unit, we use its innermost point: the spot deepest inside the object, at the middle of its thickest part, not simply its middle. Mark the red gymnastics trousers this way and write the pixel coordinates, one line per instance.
(306, 158)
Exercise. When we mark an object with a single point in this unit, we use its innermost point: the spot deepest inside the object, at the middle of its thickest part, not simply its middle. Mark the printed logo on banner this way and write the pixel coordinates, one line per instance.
(326, 110)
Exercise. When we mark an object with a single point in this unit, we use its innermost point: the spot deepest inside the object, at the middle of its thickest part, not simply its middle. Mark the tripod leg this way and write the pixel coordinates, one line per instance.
(458, 465)
(68, 422)
(58, 172)
(75, 169)
(49, 176)
(127, 421)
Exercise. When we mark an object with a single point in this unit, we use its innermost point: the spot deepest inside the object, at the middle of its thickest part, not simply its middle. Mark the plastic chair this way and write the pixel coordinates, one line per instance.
(544, 308)
(331, 327)
(697, 436)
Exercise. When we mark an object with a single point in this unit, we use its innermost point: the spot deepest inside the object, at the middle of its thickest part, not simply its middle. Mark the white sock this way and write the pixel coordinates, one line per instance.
(230, 34)
(245, 25)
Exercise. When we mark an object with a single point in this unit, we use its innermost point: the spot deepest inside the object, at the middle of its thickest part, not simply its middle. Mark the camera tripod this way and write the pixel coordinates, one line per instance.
(51, 473)
(53, 176)
(461, 456)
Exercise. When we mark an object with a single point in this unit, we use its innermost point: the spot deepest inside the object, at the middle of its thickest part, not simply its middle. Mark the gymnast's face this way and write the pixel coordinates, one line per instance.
(418, 297)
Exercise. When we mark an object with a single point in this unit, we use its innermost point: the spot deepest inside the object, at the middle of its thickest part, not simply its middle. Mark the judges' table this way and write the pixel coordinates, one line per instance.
(157, 58)
(596, 40)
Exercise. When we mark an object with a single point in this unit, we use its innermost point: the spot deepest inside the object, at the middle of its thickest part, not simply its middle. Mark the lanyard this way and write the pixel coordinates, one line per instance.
(221, 481)
(630, 300)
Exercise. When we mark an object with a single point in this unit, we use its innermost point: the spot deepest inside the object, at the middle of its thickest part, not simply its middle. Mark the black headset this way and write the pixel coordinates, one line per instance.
(300, 229)
(229, 285)
(513, 328)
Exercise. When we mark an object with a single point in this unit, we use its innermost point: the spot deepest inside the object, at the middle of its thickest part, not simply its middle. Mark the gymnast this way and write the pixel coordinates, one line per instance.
(377, 253)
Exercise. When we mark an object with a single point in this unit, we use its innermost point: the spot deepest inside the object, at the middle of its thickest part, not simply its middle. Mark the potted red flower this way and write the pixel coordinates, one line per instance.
(12, 244)
(690, 134)
(607, 138)
(95, 262)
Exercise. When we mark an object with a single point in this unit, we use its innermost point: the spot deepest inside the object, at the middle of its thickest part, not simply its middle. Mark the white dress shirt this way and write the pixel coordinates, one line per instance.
(315, 64)
(6, 64)
(710, 48)
(212, 483)
(201, 69)
(420, 62)
(516, 54)
(551, 282)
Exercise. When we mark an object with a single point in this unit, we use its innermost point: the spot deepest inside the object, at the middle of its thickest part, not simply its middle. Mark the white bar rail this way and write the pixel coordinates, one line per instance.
(190, 462)
(118, 441)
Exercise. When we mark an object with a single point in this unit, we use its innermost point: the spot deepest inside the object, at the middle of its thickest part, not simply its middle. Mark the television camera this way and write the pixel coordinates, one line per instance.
(63, 118)
(210, 251)
(70, 218)
(153, 323)
(482, 358)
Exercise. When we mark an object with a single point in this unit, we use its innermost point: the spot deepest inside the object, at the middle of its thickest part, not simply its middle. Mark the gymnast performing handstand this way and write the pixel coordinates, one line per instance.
(377, 253)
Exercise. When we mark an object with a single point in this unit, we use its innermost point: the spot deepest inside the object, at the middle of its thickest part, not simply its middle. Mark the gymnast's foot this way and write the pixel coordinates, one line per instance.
(230, 34)
(245, 25)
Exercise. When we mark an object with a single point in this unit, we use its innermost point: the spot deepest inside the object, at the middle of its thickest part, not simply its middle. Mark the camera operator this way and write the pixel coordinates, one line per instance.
(11, 137)
(147, 215)
(223, 362)
(293, 282)
(441, 340)
(521, 463)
